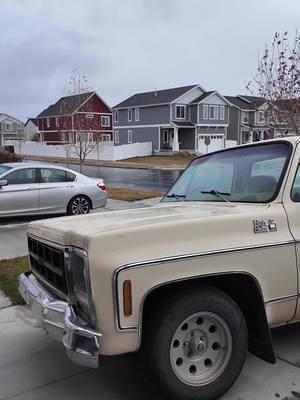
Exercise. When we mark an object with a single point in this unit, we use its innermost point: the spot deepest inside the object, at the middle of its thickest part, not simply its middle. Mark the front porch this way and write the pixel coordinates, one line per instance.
(176, 138)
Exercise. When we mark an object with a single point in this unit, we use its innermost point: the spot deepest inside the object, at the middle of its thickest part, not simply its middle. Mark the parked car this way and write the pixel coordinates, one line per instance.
(39, 188)
(193, 282)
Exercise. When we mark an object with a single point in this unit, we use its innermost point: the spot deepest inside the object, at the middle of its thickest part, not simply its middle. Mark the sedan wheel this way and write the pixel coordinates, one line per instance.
(79, 205)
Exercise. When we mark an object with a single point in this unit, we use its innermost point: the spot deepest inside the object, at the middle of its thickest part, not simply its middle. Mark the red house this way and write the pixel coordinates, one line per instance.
(71, 115)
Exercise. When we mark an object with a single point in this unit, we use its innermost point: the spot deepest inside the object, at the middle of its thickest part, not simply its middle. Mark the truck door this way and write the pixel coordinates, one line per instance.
(291, 201)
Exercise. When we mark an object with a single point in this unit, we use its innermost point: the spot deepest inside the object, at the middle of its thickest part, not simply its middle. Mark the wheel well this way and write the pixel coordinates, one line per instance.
(242, 288)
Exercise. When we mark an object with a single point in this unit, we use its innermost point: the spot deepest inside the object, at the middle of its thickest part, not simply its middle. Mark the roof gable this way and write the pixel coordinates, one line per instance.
(240, 103)
(66, 105)
(155, 97)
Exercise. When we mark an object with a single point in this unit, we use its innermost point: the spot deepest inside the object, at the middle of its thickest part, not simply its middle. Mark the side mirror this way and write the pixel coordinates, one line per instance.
(3, 182)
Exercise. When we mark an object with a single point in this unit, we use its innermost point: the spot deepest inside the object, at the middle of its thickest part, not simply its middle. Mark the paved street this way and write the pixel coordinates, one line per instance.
(34, 367)
(142, 179)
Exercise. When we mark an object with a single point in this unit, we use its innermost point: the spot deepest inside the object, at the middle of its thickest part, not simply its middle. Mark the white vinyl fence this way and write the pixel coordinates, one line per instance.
(103, 151)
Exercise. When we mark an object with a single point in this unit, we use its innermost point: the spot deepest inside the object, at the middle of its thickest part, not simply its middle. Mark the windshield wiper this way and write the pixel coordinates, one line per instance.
(219, 194)
(176, 196)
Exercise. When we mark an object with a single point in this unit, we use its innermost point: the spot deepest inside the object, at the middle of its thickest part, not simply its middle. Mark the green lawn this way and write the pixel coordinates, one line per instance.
(9, 272)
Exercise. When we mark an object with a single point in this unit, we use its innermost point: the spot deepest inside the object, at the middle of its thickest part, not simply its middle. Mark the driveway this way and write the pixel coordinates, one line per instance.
(34, 367)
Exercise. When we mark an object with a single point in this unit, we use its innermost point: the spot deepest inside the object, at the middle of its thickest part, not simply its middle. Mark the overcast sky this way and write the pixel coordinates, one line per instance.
(129, 46)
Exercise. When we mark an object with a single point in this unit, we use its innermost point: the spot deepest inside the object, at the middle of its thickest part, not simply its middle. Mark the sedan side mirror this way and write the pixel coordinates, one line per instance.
(3, 182)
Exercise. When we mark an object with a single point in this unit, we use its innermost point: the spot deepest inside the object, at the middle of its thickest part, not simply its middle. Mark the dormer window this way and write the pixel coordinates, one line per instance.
(180, 111)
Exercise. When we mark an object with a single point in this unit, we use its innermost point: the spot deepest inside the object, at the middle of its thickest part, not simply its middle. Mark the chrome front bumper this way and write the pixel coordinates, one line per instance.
(58, 319)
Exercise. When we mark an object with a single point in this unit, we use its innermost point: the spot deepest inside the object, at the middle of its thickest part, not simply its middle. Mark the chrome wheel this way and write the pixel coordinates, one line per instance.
(201, 349)
(80, 205)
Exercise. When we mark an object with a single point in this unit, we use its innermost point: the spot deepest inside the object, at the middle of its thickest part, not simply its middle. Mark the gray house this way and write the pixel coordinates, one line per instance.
(248, 119)
(173, 119)
(11, 128)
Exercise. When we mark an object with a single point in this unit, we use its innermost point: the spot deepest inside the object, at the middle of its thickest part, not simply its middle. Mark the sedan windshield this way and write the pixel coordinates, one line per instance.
(3, 169)
(250, 174)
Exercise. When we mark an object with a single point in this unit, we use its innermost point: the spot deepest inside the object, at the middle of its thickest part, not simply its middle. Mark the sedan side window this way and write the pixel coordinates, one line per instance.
(21, 176)
(295, 194)
(56, 175)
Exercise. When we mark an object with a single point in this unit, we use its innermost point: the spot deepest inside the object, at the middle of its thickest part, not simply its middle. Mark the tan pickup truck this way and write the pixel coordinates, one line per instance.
(193, 282)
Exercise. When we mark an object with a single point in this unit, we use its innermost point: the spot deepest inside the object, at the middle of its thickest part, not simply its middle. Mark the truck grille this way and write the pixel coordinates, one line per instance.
(47, 263)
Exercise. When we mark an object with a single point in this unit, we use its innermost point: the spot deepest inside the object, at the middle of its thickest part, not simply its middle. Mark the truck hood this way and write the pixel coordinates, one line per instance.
(188, 217)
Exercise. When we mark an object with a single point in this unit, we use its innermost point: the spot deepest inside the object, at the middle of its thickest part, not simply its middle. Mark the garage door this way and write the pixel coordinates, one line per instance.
(208, 143)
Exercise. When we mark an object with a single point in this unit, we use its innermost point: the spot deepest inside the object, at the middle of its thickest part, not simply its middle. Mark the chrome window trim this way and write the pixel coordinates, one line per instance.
(163, 260)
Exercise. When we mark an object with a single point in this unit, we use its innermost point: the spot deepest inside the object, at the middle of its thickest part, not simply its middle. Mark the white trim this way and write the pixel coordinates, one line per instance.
(129, 136)
(168, 136)
(48, 122)
(212, 125)
(214, 92)
(136, 114)
(107, 119)
(116, 136)
(184, 107)
(159, 138)
(190, 90)
(92, 112)
(215, 114)
(207, 111)
(223, 109)
(116, 116)
(143, 126)
(129, 111)
(83, 102)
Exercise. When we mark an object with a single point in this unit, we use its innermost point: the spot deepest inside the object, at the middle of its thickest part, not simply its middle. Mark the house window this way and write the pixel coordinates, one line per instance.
(205, 111)
(56, 122)
(129, 136)
(222, 112)
(117, 139)
(9, 126)
(137, 114)
(213, 112)
(129, 114)
(71, 137)
(165, 136)
(105, 138)
(48, 122)
(261, 116)
(180, 112)
(105, 121)
(116, 116)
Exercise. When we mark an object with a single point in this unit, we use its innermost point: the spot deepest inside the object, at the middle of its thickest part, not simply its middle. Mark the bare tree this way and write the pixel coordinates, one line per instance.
(278, 82)
(82, 145)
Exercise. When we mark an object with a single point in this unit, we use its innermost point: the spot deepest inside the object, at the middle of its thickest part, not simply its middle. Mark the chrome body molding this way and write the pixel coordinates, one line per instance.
(177, 258)
(58, 319)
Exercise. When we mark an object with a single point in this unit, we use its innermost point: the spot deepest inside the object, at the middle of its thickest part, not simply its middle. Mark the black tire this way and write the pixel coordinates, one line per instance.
(159, 344)
(79, 205)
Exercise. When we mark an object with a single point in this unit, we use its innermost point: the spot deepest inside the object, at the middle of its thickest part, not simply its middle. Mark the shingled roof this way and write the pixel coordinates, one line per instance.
(154, 97)
(65, 105)
(202, 97)
(240, 103)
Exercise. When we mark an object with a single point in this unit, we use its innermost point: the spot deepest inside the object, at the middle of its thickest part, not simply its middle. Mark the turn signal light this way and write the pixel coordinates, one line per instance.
(127, 298)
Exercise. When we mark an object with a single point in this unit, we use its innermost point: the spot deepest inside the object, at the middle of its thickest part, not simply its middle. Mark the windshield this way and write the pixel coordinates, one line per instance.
(3, 168)
(250, 174)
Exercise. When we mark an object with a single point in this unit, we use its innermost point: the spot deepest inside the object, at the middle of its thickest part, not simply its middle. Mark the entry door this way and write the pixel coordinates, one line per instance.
(21, 195)
(292, 206)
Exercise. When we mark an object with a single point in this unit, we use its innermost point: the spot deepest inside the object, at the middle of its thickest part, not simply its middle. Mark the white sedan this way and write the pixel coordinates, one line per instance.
(39, 188)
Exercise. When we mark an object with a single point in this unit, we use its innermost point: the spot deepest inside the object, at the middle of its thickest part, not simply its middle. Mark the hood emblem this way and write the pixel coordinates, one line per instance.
(263, 226)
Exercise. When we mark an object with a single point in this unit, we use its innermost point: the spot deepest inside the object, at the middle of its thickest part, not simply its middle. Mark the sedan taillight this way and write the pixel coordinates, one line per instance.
(101, 186)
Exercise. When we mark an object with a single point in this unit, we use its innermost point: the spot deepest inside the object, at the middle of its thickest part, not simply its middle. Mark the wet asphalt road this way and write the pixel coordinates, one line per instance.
(141, 179)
